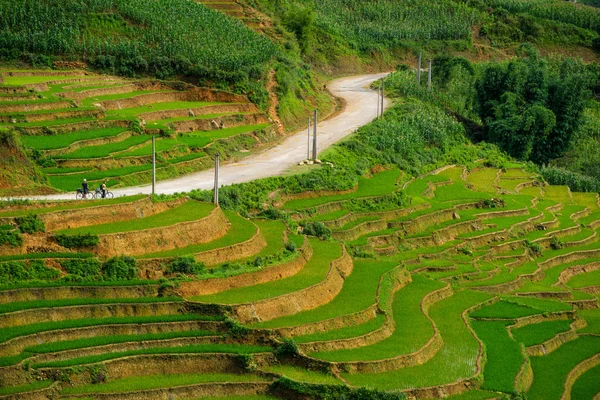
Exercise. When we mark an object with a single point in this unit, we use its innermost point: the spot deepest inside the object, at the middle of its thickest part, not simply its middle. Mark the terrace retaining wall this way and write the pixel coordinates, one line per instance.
(576, 372)
(558, 340)
(425, 353)
(28, 107)
(273, 273)
(55, 314)
(306, 299)
(74, 292)
(164, 238)
(187, 392)
(76, 218)
(16, 345)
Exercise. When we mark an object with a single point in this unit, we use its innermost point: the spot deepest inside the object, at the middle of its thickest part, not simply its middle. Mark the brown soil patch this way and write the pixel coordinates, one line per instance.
(306, 299)
(170, 237)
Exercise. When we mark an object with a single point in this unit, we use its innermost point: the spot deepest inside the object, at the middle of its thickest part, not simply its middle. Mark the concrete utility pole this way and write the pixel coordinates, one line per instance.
(315, 136)
(419, 69)
(308, 141)
(153, 165)
(382, 94)
(216, 180)
(429, 76)
(378, 94)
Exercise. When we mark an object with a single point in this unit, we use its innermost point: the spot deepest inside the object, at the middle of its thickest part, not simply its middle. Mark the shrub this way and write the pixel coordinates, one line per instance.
(119, 268)
(38, 271)
(186, 265)
(556, 243)
(316, 229)
(82, 268)
(534, 248)
(11, 238)
(291, 247)
(288, 348)
(236, 330)
(30, 224)
(77, 241)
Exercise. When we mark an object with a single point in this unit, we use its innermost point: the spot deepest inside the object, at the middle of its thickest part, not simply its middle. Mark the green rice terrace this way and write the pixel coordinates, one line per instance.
(484, 285)
(78, 124)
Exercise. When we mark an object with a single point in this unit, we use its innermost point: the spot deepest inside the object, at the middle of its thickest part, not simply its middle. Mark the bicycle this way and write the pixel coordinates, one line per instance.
(79, 195)
(98, 194)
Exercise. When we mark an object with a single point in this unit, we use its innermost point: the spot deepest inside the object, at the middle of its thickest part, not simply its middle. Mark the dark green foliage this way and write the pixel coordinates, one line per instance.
(11, 237)
(30, 224)
(18, 271)
(77, 241)
(530, 108)
(576, 182)
(291, 247)
(84, 269)
(135, 37)
(556, 243)
(186, 265)
(318, 229)
(119, 269)
(236, 330)
(287, 348)
(535, 249)
(331, 392)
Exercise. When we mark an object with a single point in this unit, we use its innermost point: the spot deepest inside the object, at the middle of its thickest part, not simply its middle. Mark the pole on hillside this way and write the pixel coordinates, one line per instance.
(315, 136)
(378, 94)
(153, 165)
(308, 141)
(419, 68)
(216, 200)
(429, 76)
(382, 95)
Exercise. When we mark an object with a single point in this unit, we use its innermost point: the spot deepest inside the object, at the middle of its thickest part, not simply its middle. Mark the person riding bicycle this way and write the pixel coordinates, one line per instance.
(84, 185)
(103, 188)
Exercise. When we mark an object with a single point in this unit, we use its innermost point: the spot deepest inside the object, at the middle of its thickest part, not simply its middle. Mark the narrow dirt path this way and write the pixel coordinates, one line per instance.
(360, 109)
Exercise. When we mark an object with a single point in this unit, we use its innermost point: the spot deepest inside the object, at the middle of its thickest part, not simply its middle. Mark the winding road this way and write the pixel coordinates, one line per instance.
(360, 109)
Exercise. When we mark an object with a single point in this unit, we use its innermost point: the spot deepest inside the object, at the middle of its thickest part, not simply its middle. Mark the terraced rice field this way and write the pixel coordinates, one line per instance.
(95, 127)
(482, 286)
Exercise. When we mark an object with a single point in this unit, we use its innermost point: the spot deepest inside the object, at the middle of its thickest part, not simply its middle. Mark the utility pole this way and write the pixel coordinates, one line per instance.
(382, 94)
(308, 141)
(378, 94)
(216, 200)
(153, 165)
(315, 136)
(419, 69)
(429, 76)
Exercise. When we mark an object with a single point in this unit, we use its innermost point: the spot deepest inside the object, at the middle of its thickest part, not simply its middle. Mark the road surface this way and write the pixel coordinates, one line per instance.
(361, 108)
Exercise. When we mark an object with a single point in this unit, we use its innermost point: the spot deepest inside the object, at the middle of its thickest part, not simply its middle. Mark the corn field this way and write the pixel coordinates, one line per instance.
(373, 24)
(173, 29)
(557, 10)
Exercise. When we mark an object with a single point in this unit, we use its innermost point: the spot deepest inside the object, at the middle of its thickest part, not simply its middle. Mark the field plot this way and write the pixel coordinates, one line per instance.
(94, 127)
(456, 283)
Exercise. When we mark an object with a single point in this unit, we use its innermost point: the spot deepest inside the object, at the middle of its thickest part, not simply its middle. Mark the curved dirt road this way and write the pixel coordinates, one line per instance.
(361, 108)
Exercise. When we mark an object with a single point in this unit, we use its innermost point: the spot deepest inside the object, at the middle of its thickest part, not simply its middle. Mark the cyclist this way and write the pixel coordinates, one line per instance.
(103, 188)
(84, 185)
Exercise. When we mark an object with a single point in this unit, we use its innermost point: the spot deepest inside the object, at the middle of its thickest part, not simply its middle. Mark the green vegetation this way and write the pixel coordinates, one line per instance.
(412, 331)
(550, 371)
(8, 390)
(505, 310)
(314, 271)
(588, 384)
(23, 330)
(64, 140)
(504, 356)
(454, 361)
(158, 381)
(208, 348)
(188, 211)
(28, 305)
(533, 334)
